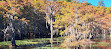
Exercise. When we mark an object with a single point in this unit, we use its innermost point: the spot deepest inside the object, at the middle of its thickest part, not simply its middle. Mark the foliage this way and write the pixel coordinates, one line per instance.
(78, 22)
(101, 3)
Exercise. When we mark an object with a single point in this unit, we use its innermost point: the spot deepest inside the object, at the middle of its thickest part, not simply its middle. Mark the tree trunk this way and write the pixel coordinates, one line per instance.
(13, 40)
(34, 29)
(104, 34)
(51, 32)
(51, 25)
(4, 36)
(110, 34)
(12, 31)
(19, 34)
(12, 35)
(110, 31)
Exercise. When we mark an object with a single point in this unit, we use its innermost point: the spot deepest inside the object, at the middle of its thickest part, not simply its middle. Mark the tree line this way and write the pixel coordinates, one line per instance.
(76, 21)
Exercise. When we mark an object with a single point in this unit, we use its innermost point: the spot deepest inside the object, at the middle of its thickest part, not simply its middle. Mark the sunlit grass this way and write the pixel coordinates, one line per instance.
(32, 41)
(37, 41)
(20, 42)
(5, 43)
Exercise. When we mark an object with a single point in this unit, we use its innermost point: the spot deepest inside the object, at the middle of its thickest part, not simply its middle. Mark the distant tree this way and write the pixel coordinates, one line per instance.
(101, 3)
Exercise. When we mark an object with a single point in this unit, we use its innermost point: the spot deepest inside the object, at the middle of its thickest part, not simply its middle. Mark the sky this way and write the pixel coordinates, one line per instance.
(95, 2)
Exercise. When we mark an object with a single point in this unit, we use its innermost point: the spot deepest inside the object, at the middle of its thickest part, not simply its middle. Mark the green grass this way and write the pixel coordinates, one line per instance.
(19, 42)
(30, 41)
(25, 42)
(36, 41)
(5, 43)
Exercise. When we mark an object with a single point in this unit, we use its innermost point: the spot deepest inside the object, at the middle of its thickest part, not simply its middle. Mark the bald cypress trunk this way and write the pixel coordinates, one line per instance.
(13, 40)
(12, 33)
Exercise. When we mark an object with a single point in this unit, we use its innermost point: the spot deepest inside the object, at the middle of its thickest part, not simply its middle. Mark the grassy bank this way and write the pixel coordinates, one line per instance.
(36, 41)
